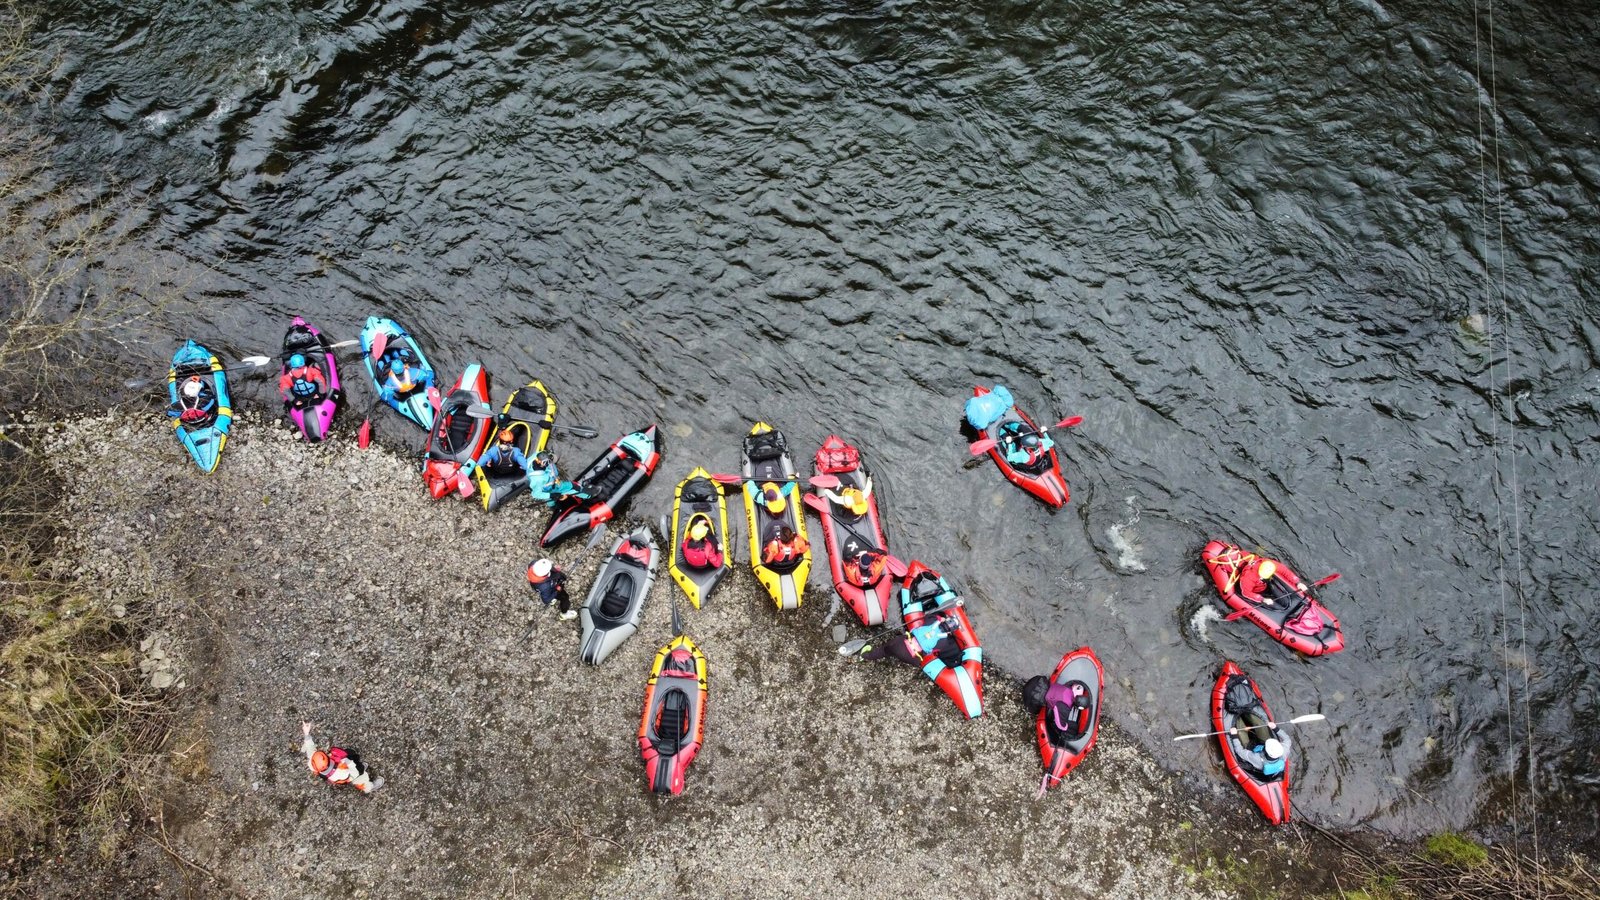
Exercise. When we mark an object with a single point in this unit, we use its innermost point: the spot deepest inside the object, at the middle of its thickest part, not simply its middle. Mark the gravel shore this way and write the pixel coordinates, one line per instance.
(320, 583)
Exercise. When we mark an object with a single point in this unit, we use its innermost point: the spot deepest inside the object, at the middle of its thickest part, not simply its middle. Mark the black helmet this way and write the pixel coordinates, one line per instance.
(1033, 693)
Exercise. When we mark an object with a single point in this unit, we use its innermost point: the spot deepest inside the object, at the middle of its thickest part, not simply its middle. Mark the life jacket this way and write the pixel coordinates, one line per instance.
(702, 554)
(777, 551)
(853, 573)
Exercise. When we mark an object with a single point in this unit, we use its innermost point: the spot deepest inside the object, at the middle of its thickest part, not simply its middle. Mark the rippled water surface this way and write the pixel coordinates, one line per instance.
(1315, 282)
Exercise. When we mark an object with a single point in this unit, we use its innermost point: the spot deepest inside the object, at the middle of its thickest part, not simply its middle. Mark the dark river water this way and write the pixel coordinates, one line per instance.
(1320, 278)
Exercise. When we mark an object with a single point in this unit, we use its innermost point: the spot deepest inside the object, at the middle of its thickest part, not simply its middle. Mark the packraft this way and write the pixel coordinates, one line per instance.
(529, 412)
(1236, 702)
(699, 565)
(606, 483)
(1298, 621)
(394, 360)
(1011, 426)
(848, 533)
(458, 437)
(673, 725)
(767, 467)
(311, 411)
(611, 613)
(1062, 748)
(943, 638)
(201, 423)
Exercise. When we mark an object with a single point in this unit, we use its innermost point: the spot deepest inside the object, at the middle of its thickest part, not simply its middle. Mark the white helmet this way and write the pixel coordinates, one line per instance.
(1273, 748)
(191, 388)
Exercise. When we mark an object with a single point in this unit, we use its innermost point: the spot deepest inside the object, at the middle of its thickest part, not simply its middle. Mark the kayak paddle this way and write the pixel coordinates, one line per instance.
(859, 644)
(1238, 614)
(984, 445)
(1297, 720)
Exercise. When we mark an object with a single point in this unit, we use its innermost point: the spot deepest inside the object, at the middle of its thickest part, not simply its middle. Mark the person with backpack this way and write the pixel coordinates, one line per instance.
(336, 765)
(1069, 708)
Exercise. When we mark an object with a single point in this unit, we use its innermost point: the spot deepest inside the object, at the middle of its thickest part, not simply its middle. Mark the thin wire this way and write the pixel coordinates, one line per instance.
(1505, 325)
(1488, 292)
(1516, 494)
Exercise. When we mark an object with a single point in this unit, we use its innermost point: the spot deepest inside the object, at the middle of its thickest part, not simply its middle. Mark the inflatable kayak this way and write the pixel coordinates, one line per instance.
(699, 560)
(767, 468)
(611, 614)
(942, 637)
(1061, 749)
(1295, 618)
(1236, 702)
(457, 437)
(529, 412)
(198, 402)
(311, 405)
(848, 530)
(674, 721)
(1042, 476)
(608, 481)
(394, 360)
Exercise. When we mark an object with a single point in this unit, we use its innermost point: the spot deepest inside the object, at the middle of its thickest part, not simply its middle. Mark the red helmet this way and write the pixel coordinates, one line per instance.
(319, 762)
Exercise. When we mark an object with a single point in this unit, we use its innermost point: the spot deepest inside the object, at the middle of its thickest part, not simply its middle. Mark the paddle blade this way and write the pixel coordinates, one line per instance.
(257, 361)
(364, 434)
(896, 566)
(1068, 422)
(981, 446)
(433, 398)
(1329, 580)
(1236, 615)
(582, 431)
(599, 534)
(1311, 717)
(380, 343)
(677, 619)
(852, 648)
(464, 486)
(726, 478)
(350, 343)
(481, 411)
(826, 482)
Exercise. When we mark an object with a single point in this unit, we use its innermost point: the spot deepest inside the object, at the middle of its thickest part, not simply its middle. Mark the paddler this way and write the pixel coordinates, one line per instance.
(504, 456)
(404, 377)
(850, 498)
(302, 381)
(1068, 707)
(1024, 446)
(1260, 584)
(864, 567)
(336, 765)
(195, 401)
(785, 547)
(699, 546)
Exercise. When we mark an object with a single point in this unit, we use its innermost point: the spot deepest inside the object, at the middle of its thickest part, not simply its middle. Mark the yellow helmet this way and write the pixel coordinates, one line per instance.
(856, 500)
(699, 529)
(772, 496)
(1267, 569)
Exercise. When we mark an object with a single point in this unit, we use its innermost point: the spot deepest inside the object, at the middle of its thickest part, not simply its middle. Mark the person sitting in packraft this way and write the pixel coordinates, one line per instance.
(699, 545)
(851, 498)
(1069, 708)
(336, 765)
(406, 374)
(550, 583)
(544, 480)
(1260, 584)
(503, 458)
(911, 645)
(1261, 744)
(196, 401)
(785, 548)
(864, 567)
(302, 382)
(1022, 446)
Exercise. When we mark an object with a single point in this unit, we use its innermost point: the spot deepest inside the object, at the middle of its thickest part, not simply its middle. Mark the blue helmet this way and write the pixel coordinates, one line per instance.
(296, 361)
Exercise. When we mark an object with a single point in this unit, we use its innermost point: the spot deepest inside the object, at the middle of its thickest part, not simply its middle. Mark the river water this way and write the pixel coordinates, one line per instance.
(1320, 278)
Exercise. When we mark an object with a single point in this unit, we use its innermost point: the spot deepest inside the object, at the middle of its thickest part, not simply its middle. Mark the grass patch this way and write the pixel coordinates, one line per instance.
(1453, 850)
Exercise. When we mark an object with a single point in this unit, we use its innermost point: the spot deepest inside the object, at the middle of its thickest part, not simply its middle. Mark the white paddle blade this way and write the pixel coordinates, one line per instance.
(255, 360)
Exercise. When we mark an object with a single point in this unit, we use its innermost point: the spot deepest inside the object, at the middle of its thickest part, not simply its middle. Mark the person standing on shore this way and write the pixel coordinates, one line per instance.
(550, 583)
(336, 765)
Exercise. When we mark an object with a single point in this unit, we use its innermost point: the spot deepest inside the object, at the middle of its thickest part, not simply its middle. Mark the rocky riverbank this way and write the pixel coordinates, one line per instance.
(320, 583)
